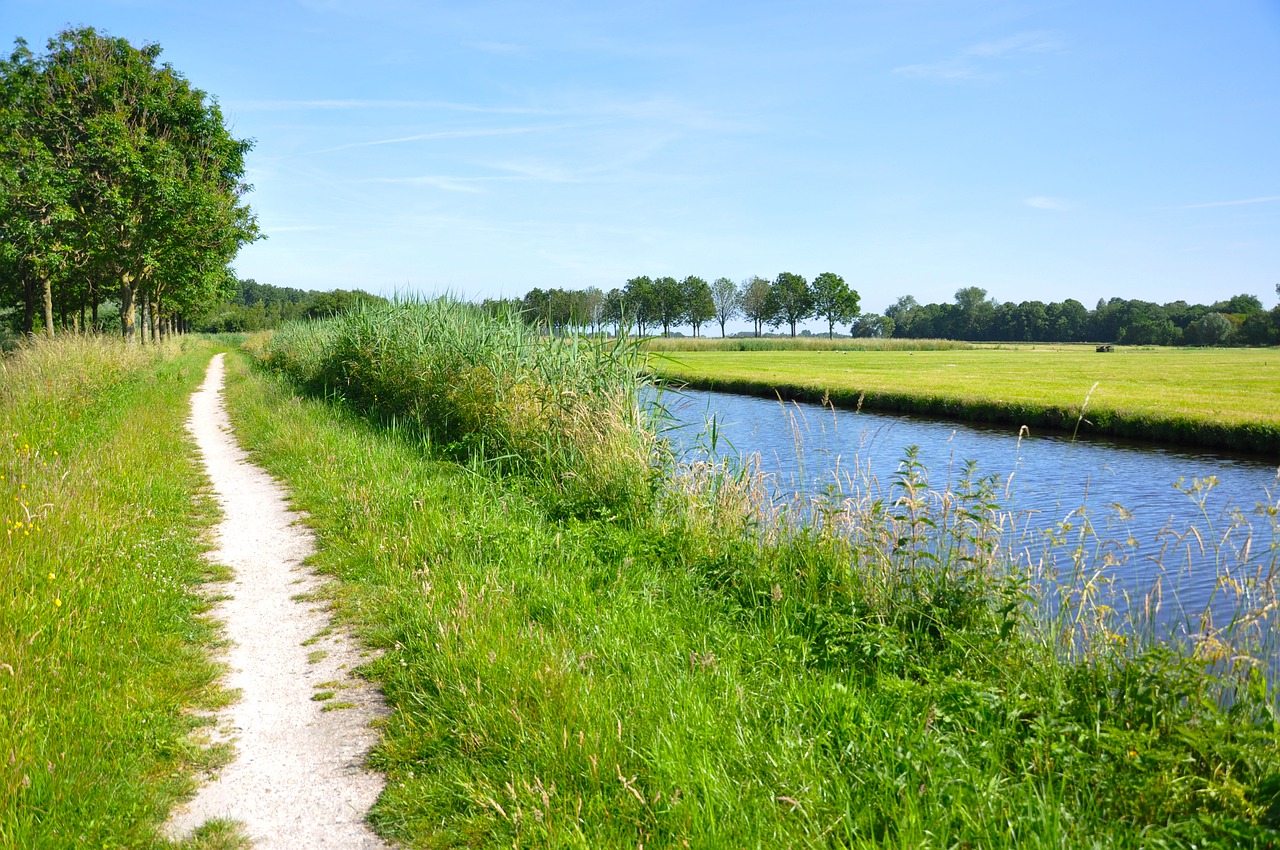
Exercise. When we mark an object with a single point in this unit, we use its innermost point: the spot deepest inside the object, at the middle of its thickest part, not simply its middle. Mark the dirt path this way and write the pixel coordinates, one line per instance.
(298, 778)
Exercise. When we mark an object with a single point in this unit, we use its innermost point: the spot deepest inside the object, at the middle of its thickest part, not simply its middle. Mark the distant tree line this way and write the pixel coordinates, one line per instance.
(646, 305)
(657, 305)
(258, 306)
(120, 190)
(973, 316)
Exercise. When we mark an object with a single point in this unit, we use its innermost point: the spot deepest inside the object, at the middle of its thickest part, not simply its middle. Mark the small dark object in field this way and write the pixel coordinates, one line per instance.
(1106, 349)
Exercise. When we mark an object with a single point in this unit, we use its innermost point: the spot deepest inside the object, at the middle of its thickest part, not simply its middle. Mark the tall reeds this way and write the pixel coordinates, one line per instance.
(489, 390)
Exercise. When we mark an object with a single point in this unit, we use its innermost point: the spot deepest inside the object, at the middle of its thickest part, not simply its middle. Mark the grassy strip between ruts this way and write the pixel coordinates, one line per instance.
(103, 647)
(1218, 398)
(696, 676)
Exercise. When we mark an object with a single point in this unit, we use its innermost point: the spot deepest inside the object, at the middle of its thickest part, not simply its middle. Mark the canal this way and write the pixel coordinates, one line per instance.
(1144, 513)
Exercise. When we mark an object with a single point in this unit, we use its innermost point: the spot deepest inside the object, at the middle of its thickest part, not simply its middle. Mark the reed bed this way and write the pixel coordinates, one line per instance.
(709, 667)
(488, 390)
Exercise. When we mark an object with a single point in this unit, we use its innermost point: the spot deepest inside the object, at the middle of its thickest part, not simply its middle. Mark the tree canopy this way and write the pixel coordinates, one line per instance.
(118, 179)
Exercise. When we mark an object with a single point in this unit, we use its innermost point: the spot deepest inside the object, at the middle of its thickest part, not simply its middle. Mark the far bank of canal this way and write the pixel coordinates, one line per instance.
(1207, 398)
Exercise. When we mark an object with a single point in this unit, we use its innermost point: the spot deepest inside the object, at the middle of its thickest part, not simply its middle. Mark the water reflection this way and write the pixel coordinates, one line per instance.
(1143, 500)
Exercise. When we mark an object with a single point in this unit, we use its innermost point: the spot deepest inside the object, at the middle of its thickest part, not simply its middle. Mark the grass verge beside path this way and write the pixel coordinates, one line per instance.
(695, 676)
(102, 646)
(1218, 398)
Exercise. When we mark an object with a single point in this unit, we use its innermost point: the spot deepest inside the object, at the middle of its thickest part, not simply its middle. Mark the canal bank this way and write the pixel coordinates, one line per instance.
(1218, 399)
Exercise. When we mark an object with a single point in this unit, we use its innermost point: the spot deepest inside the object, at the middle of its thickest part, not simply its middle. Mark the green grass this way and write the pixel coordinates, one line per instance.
(102, 642)
(700, 671)
(1224, 398)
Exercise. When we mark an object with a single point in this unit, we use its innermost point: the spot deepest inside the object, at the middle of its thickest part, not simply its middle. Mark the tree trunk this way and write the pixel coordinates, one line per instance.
(29, 306)
(46, 290)
(93, 295)
(128, 309)
(152, 309)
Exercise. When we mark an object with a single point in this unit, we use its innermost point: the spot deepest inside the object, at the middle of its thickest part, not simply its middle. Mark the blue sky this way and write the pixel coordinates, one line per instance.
(1040, 150)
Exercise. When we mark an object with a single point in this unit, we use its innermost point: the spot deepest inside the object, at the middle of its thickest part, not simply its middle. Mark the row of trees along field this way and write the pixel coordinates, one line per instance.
(647, 304)
(650, 305)
(120, 190)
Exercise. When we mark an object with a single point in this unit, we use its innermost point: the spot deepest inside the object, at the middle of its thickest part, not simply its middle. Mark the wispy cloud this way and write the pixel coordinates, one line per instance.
(975, 61)
(448, 184)
(1023, 42)
(365, 103)
(442, 134)
(1044, 202)
(494, 47)
(951, 69)
(297, 228)
(1265, 200)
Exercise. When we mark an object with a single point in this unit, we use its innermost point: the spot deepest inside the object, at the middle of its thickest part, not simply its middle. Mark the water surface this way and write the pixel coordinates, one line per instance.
(1134, 493)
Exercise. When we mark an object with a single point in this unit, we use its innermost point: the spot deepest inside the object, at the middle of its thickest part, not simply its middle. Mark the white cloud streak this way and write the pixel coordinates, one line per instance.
(357, 103)
(442, 134)
(974, 61)
(1044, 202)
(1265, 200)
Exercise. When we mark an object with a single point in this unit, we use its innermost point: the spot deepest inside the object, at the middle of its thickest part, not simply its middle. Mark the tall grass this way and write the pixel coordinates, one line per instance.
(867, 668)
(101, 639)
(564, 410)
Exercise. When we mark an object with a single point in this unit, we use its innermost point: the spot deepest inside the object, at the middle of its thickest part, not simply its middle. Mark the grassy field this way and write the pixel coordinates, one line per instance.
(102, 644)
(1224, 398)
(677, 665)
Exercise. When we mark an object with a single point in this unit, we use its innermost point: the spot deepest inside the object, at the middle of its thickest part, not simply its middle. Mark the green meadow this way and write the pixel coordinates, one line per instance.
(1212, 397)
(583, 642)
(103, 647)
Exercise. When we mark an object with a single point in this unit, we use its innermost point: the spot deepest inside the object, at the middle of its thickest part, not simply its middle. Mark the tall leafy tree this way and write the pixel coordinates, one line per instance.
(153, 181)
(613, 313)
(36, 186)
(699, 305)
(973, 314)
(790, 300)
(834, 301)
(668, 303)
(755, 301)
(639, 303)
(725, 297)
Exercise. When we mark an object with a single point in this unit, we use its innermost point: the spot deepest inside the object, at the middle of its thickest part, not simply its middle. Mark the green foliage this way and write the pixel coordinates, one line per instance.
(756, 301)
(699, 305)
(833, 300)
(791, 300)
(258, 306)
(1209, 329)
(115, 175)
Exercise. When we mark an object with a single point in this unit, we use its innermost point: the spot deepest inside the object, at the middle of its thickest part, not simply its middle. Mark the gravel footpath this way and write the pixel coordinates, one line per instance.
(298, 779)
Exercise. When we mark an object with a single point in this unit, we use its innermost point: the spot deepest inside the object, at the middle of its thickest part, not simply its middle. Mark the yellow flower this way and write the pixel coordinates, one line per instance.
(50, 576)
(57, 603)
